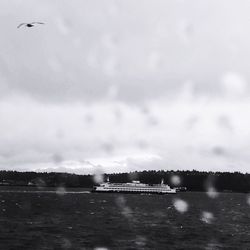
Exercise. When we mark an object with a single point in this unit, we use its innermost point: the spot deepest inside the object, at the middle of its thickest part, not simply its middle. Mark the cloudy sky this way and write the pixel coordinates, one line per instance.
(122, 85)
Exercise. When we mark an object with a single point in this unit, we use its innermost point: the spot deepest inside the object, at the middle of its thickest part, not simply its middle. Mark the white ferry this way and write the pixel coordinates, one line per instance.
(134, 187)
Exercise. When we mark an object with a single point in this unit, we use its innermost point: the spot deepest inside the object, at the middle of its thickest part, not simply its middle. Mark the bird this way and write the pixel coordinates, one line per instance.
(29, 25)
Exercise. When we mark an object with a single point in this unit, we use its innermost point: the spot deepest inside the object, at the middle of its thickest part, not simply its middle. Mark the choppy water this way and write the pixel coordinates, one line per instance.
(72, 220)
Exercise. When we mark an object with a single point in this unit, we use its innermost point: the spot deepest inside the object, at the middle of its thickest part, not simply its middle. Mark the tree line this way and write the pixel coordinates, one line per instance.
(192, 180)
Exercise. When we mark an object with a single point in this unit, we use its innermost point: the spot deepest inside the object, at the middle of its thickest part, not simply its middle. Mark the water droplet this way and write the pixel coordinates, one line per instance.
(175, 180)
(60, 191)
(207, 217)
(57, 158)
(180, 205)
(66, 244)
(98, 175)
(140, 241)
(212, 192)
(120, 201)
(107, 147)
(126, 211)
(40, 183)
(248, 199)
(233, 84)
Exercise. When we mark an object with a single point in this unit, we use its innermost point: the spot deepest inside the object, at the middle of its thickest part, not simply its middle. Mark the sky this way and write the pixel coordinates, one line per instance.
(122, 85)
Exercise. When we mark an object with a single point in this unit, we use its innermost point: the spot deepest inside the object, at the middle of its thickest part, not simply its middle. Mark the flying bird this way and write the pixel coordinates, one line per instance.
(29, 25)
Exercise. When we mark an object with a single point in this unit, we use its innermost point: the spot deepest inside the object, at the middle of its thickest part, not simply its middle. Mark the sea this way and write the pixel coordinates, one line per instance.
(78, 219)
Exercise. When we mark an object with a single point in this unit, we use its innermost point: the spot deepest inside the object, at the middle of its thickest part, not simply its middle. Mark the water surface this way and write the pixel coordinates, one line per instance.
(55, 219)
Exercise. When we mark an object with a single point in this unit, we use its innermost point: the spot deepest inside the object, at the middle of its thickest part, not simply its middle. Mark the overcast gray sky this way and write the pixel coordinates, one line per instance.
(125, 85)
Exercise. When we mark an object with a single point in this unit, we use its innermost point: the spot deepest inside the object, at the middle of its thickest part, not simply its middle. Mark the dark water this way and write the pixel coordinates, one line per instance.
(58, 220)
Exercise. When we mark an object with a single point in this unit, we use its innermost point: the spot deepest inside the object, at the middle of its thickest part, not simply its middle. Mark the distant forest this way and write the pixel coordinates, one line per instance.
(192, 180)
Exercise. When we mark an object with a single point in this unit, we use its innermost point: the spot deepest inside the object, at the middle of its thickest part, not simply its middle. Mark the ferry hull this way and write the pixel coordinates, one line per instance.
(133, 192)
(133, 188)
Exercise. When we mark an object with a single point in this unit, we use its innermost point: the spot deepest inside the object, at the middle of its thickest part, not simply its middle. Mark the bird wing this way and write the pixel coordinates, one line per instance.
(21, 25)
(37, 23)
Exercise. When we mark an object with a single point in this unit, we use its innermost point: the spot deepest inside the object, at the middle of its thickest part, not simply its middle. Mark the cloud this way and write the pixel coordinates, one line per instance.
(141, 49)
(234, 84)
(167, 81)
(62, 137)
